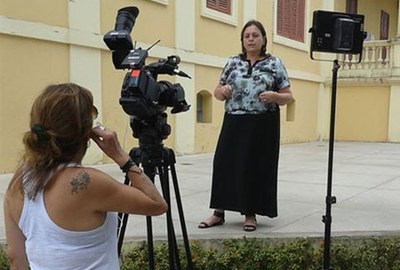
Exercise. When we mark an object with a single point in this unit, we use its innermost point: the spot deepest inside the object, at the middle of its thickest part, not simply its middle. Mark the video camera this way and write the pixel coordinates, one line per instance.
(141, 95)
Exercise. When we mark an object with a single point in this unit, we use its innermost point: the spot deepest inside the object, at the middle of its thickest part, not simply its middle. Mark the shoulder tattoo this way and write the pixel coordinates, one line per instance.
(80, 182)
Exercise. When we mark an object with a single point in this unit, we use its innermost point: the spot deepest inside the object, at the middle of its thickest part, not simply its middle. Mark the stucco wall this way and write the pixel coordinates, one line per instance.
(362, 113)
(27, 66)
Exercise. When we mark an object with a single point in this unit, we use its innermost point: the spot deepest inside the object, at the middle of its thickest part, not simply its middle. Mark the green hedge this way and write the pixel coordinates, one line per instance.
(256, 254)
(381, 253)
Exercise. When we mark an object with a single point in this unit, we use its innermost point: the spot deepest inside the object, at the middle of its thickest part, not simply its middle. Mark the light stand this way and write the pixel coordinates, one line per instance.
(329, 199)
(334, 32)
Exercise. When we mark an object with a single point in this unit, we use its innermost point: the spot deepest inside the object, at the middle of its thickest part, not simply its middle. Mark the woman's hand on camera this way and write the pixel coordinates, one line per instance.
(108, 142)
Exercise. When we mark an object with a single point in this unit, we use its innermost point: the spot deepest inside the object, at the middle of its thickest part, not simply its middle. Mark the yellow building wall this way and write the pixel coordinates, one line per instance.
(27, 66)
(295, 58)
(362, 113)
(206, 134)
(225, 38)
(154, 22)
(363, 109)
(303, 127)
(43, 11)
(372, 13)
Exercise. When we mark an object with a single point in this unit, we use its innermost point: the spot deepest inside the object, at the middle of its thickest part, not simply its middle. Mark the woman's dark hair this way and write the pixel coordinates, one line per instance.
(263, 32)
(60, 126)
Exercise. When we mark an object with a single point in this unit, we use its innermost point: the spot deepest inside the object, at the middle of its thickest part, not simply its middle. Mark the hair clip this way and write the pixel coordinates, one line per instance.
(40, 131)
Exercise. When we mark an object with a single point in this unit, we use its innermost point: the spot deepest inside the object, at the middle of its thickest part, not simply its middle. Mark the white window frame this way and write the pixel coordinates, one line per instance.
(220, 16)
(303, 46)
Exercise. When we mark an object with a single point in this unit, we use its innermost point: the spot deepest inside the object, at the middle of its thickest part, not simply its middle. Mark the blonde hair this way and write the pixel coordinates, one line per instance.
(60, 126)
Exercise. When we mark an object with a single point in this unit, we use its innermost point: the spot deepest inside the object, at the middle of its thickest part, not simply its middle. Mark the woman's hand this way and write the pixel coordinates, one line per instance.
(282, 97)
(267, 96)
(226, 90)
(223, 92)
(108, 142)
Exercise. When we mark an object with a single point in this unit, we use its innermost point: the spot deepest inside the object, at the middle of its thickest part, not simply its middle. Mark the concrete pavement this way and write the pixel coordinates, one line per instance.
(366, 183)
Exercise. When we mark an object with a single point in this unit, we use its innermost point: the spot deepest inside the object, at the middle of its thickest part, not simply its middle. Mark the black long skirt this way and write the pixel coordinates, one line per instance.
(245, 166)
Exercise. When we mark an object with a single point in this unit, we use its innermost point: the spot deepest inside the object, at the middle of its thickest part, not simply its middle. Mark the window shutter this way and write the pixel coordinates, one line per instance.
(290, 19)
(223, 6)
(299, 27)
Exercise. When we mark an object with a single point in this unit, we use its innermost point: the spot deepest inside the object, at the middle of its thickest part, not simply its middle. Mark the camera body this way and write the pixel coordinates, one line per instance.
(141, 94)
(143, 97)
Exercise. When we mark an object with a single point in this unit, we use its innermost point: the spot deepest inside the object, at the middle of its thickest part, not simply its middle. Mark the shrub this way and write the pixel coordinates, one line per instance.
(374, 253)
(4, 265)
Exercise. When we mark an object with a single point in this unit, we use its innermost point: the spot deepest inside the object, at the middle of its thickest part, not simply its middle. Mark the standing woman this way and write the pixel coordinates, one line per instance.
(253, 85)
(58, 213)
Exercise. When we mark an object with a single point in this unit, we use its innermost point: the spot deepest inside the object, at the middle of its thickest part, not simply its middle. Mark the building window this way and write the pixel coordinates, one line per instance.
(351, 6)
(220, 10)
(204, 107)
(291, 19)
(384, 26)
(223, 6)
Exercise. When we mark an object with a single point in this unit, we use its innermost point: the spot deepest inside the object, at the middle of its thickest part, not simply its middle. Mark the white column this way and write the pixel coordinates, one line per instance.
(85, 62)
(249, 10)
(328, 5)
(394, 114)
(185, 122)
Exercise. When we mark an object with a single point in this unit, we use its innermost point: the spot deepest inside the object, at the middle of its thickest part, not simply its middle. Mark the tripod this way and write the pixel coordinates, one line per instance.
(156, 159)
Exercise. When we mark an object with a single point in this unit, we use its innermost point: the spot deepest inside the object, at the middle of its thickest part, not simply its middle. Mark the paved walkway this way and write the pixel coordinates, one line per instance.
(366, 182)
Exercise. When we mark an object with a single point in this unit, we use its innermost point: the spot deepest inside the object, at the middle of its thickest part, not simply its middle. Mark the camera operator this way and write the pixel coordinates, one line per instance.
(60, 214)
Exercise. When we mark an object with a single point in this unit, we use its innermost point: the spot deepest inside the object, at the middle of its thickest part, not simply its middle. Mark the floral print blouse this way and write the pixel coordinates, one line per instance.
(248, 82)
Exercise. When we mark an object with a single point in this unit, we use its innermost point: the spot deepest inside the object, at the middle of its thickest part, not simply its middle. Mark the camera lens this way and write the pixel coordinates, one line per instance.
(126, 18)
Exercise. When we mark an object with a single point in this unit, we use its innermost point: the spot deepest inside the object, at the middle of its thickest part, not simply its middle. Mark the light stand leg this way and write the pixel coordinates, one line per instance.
(329, 200)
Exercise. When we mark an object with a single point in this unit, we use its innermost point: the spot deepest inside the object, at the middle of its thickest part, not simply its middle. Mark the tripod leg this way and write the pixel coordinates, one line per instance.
(150, 246)
(172, 244)
(150, 171)
(122, 221)
(181, 217)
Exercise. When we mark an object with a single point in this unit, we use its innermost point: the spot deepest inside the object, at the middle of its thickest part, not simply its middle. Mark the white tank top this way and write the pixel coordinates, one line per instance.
(50, 247)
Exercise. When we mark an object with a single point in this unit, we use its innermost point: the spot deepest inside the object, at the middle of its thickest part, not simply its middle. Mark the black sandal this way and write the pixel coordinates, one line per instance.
(221, 215)
(250, 227)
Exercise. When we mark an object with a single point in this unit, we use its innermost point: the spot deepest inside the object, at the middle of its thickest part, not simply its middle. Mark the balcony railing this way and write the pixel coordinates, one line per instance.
(376, 61)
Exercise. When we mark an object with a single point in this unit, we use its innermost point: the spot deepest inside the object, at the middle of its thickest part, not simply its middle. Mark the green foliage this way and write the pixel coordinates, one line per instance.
(255, 254)
(4, 265)
(373, 254)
